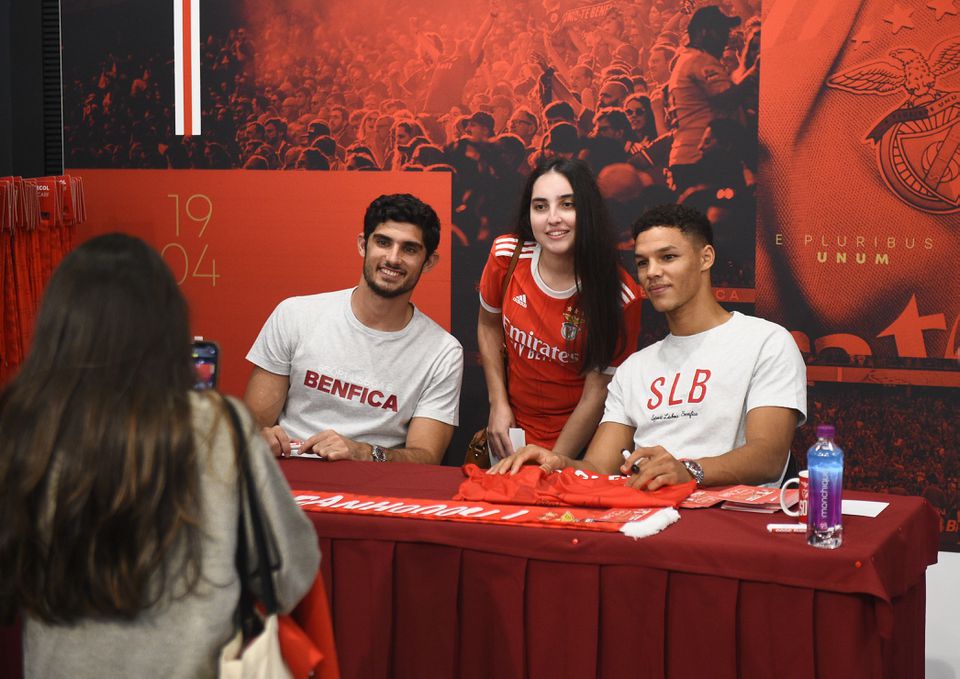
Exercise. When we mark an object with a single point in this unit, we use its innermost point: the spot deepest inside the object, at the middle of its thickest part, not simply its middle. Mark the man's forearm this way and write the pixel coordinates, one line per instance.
(413, 455)
(265, 396)
(476, 47)
(761, 459)
(750, 464)
(332, 446)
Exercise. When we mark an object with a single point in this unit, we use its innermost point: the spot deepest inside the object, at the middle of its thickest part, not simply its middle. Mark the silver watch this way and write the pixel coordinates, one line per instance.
(696, 471)
(380, 455)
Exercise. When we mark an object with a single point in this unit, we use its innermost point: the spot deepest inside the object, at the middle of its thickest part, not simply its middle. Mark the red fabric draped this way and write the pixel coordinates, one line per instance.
(37, 223)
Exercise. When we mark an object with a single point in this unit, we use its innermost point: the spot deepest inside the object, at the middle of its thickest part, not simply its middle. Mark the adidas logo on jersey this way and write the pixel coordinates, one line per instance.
(521, 300)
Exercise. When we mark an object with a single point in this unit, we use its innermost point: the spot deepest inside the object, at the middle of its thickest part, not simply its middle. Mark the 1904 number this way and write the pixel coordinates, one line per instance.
(200, 216)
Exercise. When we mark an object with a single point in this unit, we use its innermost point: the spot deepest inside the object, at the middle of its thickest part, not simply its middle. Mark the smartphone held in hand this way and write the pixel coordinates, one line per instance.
(206, 363)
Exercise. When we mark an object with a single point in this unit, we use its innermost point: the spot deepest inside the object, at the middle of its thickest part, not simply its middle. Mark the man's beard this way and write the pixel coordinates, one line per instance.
(388, 293)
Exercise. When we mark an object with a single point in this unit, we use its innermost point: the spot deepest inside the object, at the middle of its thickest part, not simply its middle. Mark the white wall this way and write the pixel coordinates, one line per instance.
(943, 618)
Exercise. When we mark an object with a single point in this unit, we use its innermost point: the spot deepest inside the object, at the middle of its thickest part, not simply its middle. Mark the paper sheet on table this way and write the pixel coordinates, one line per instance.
(863, 508)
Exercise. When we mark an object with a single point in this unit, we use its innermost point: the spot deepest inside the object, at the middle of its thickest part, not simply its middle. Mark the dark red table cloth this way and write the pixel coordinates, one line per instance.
(715, 595)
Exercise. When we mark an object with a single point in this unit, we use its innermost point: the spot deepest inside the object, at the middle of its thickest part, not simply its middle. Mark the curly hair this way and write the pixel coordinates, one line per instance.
(692, 223)
(405, 208)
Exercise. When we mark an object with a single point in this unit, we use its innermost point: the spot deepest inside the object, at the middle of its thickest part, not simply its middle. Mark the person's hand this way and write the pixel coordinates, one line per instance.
(547, 459)
(657, 468)
(537, 59)
(277, 439)
(498, 435)
(752, 73)
(330, 445)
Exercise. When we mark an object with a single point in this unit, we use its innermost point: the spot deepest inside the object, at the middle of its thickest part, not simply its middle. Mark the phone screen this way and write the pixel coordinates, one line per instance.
(206, 360)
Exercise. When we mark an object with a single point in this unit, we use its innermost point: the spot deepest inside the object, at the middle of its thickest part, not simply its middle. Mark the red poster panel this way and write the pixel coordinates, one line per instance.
(859, 231)
(860, 185)
(240, 242)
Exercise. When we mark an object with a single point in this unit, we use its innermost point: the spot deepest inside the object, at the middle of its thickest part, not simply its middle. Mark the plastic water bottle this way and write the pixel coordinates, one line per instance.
(825, 465)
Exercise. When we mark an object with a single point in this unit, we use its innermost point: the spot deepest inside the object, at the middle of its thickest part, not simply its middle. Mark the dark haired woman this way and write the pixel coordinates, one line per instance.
(568, 314)
(640, 114)
(118, 483)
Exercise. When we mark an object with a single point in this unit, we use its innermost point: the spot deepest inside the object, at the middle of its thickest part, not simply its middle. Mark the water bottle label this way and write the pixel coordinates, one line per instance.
(826, 486)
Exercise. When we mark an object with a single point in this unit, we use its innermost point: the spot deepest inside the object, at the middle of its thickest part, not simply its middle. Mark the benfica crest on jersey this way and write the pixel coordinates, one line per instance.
(572, 322)
(917, 144)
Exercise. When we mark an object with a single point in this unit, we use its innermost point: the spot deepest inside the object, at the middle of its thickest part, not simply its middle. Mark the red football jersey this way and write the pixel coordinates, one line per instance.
(567, 487)
(544, 332)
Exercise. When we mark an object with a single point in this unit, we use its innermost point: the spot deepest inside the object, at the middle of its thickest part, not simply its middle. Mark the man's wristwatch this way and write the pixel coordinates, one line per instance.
(380, 455)
(696, 471)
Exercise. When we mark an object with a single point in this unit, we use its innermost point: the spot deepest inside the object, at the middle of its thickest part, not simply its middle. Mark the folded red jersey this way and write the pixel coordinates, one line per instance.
(573, 487)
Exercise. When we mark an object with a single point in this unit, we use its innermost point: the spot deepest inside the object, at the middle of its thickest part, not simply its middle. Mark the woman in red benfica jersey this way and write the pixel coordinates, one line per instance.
(566, 315)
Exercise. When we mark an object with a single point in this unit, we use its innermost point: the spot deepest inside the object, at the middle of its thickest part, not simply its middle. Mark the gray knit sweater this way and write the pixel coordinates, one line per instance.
(182, 637)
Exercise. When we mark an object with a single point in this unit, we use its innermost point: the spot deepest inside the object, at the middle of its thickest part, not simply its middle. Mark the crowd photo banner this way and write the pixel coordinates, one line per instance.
(396, 96)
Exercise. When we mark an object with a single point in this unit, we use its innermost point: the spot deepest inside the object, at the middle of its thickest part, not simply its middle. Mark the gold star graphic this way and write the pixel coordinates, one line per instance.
(899, 18)
(942, 7)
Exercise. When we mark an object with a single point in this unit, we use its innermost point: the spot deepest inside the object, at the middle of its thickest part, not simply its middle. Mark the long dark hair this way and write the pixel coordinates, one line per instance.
(596, 264)
(98, 472)
(649, 130)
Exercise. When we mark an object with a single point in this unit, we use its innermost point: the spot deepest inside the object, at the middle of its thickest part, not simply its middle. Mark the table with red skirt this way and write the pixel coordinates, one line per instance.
(714, 594)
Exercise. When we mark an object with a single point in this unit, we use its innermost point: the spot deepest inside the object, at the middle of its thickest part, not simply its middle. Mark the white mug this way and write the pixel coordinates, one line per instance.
(803, 482)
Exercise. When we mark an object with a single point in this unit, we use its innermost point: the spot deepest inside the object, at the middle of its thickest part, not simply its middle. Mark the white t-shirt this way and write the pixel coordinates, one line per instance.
(364, 384)
(692, 394)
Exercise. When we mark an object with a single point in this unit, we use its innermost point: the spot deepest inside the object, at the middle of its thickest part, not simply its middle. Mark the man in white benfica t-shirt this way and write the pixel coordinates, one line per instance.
(717, 400)
(362, 373)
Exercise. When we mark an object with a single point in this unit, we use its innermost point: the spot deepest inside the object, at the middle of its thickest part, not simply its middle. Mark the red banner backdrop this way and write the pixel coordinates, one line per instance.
(858, 177)
(240, 242)
(859, 209)
(860, 191)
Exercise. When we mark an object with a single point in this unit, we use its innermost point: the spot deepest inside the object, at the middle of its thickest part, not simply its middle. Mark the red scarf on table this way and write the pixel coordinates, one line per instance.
(568, 487)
